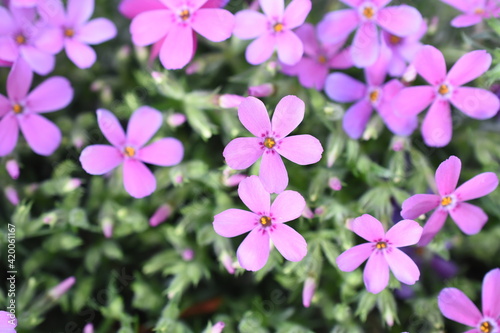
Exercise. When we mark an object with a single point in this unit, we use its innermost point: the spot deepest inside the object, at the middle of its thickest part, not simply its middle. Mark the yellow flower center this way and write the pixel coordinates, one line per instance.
(479, 11)
(278, 27)
(368, 12)
(68, 32)
(381, 245)
(374, 95)
(486, 327)
(446, 201)
(322, 59)
(394, 40)
(185, 14)
(443, 89)
(265, 221)
(17, 108)
(269, 142)
(20, 39)
(129, 152)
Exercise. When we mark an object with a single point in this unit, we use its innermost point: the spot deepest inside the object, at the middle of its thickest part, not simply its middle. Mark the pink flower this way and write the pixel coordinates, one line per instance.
(273, 30)
(265, 222)
(445, 88)
(365, 16)
(21, 36)
(21, 110)
(62, 288)
(75, 29)
(474, 11)
(174, 25)
(128, 149)
(455, 305)
(8, 322)
(382, 252)
(271, 141)
(318, 59)
(374, 95)
(89, 328)
(469, 218)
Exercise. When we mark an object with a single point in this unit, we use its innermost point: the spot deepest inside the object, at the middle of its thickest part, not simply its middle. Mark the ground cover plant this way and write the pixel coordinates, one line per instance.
(249, 166)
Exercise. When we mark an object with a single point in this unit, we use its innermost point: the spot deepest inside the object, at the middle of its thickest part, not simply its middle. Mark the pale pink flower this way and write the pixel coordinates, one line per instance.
(474, 11)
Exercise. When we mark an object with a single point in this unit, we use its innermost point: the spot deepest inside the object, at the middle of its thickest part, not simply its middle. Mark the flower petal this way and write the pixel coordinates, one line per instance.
(469, 67)
(469, 218)
(413, 100)
(111, 128)
(466, 20)
(289, 46)
(180, 39)
(296, 13)
(98, 31)
(9, 50)
(400, 20)
(432, 226)
(404, 233)
(455, 305)
(138, 180)
(375, 74)
(79, 11)
(288, 242)
(447, 175)
(368, 227)
(214, 24)
(9, 133)
(301, 149)
(5, 105)
(288, 206)
(143, 124)
(491, 294)
(356, 118)
(82, 55)
(52, 94)
(253, 252)
(254, 196)
(342, 88)
(477, 187)
(50, 40)
(132, 8)
(430, 64)
(150, 26)
(337, 25)
(376, 274)
(462, 5)
(365, 47)
(419, 204)
(19, 80)
(350, 259)
(261, 49)
(475, 102)
(437, 128)
(163, 152)
(100, 159)
(42, 135)
(241, 153)
(234, 222)
(249, 24)
(401, 265)
(273, 9)
(253, 115)
(272, 172)
(288, 114)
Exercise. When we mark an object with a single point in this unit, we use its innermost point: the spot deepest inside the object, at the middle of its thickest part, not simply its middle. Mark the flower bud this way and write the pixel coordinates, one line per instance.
(11, 195)
(263, 90)
(12, 168)
(176, 119)
(218, 327)
(308, 291)
(160, 215)
(307, 213)
(227, 261)
(107, 227)
(228, 101)
(335, 184)
(188, 254)
(62, 288)
(89, 328)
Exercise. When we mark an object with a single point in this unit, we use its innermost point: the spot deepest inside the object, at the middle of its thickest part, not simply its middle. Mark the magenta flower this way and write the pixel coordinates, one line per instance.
(366, 16)
(373, 95)
(128, 149)
(455, 305)
(21, 36)
(173, 26)
(474, 11)
(318, 59)
(273, 30)
(469, 218)
(265, 222)
(445, 88)
(382, 252)
(271, 141)
(8, 322)
(21, 110)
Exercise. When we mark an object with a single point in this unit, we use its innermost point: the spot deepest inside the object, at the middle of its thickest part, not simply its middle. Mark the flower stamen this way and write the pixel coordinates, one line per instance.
(265, 221)
(20, 39)
(374, 95)
(129, 151)
(394, 40)
(278, 27)
(446, 201)
(185, 14)
(381, 245)
(322, 59)
(269, 142)
(479, 11)
(443, 89)
(368, 12)
(68, 32)
(486, 327)
(17, 108)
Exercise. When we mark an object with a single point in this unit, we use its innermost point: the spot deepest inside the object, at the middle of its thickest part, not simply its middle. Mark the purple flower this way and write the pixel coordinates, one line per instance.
(366, 16)
(128, 149)
(271, 141)
(75, 29)
(173, 25)
(445, 88)
(469, 218)
(382, 252)
(374, 95)
(21, 110)
(265, 222)
(318, 59)
(273, 30)
(21, 36)
(474, 11)
(455, 305)
(8, 322)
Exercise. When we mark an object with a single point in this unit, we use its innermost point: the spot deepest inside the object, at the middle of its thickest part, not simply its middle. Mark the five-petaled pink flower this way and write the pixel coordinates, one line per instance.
(382, 252)
(173, 26)
(366, 15)
(455, 305)
(76, 32)
(469, 218)
(271, 141)
(273, 30)
(445, 88)
(474, 11)
(21, 110)
(129, 150)
(265, 221)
